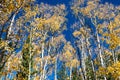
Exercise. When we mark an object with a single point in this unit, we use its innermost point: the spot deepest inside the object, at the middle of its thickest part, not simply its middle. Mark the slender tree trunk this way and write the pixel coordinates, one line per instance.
(83, 55)
(99, 46)
(83, 59)
(3, 26)
(42, 65)
(70, 72)
(41, 74)
(100, 53)
(30, 53)
(92, 63)
(56, 69)
(44, 70)
(82, 75)
(11, 25)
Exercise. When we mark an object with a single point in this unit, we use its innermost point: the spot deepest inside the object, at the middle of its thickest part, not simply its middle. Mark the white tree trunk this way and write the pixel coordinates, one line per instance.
(56, 68)
(100, 53)
(83, 59)
(82, 75)
(44, 70)
(11, 25)
(30, 53)
(42, 65)
(92, 63)
(70, 72)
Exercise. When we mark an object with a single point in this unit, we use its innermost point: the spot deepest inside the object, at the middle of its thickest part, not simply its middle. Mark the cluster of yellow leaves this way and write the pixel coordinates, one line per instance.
(12, 5)
(73, 63)
(91, 5)
(5, 45)
(101, 71)
(94, 8)
(68, 55)
(57, 40)
(70, 60)
(13, 62)
(30, 14)
(108, 53)
(113, 40)
(111, 35)
(84, 32)
(76, 33)
(53, 23)
(113, 70)
(76, 4)
(69, 48)
(36, 49)
(104, 11)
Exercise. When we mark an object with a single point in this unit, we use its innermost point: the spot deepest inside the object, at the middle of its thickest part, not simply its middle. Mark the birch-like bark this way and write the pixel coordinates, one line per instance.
(100, 53)
(83, 58)
(30, 53)
(41, 77)
(70, 72)
(46, 62)
(11, 25)
(55, 69)
(42, 65)
(83, 55)
(44, 70)
(81, 73)
(92, 63)
(99, 46)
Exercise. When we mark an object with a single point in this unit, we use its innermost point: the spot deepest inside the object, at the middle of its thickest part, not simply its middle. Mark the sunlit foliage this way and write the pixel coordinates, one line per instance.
(34, 44)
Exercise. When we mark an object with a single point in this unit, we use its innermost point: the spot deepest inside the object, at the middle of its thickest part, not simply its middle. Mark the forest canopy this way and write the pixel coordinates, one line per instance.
(73, 40)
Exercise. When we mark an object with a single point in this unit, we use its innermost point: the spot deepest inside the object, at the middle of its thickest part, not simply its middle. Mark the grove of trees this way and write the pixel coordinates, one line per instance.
(33, 45)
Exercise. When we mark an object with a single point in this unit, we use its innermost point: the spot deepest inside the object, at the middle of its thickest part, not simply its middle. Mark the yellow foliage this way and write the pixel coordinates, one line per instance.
(114, 70)
(108, 53)
(101, 71)
(113, 40)
(11, 7)
(13, 62)
(3, 43)
(53, 23)
(38, 59)
(74, 63)
(76, 33)
(68, 55)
